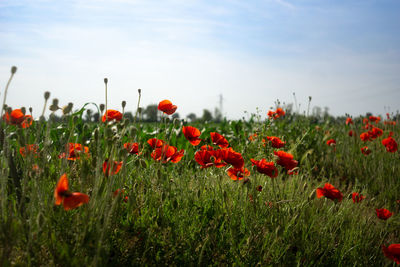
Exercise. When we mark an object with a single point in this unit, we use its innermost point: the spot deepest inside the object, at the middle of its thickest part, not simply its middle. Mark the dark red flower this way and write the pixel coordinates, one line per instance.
(276, 142)
(132, 148)
(167, 107)
(112, 114)
(74, 151)
(329, 191)
(208, 157)
(279, 112)
(390, 144)
(365, 136)
(192, 134)
(219, 140)
(237, 173)
(349, 121)
(374, 119)
(357, 197)
(392, 252)
(111, 168)
(331, 142)
(375, 133)
(365, 150)
(29, 150)
(70, 200)
(265, 167)
(167, 153)
(231, 157)
(16, 117)
(121, 193)
(351, 133)
(285, 160)
(154, 142)
(383, 214)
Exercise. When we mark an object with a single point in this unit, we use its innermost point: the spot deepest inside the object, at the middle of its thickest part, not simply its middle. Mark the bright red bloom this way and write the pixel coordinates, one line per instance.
(192, 134)
(285, 160)
(74, 151)
(351, 133)
(237, 173)
(16, 117)
(167, 153)
(331, 142)
(392, 252)
(154, 142)
(383, 214)
(365, 136)
(271, 114)
(390, 144)
(28, 150)
(279, 112)
(375, 133)
(374, 119)
(329, 191)
(265, 167)
(167, 107)
(365, 150)
(219, 140)
(111, 168)
(132, 148)
(70, 200)
(112, 114)
(349, 121)
(208, 157)
(253, 137)
(357, 197)
(231, 157)
(276, 142)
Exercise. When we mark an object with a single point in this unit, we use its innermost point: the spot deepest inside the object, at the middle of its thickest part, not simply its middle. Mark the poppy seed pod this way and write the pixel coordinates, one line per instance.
(105, 80)
(102, 107)
(23, 110)
(30, 110)
(123, 104)
(46, 95)
(13, 70)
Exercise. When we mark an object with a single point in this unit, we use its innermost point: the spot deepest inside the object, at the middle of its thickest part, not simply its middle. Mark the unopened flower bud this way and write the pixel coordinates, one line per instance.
(123, 104)
(13, 70)
(102, 107)
(105, 80)
(46, 95)
(139, 91)
(23, 110)
(55, 101)
(30, 110)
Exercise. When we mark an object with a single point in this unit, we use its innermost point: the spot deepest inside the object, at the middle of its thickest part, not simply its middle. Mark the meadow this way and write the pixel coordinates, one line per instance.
(279, 190)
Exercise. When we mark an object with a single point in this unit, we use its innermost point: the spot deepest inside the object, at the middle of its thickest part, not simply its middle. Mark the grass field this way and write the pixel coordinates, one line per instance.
(170, 211)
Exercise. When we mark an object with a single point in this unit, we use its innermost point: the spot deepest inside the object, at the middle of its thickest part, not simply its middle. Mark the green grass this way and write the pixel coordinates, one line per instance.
(179, 214)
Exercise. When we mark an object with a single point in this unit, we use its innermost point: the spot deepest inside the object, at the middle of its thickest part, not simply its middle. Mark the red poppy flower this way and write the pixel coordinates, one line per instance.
(219, 140)
(192, 134)
(208, 157)
(365, 150)
(167, 107)
(121, 193)
(154, 142)
(375, 133)
(351, 133)
(349, 121)
(231, 157)
(28, 150)
(70, 200)
(253, 137)
(392, 252)
(374, 119)
(16, 117)
(132, 148)
(365, 136)
(279, 112)
(276, 142)
(237, 173)
(383, 214)
(271, 114)
(111, 168)
(357, 197)
(329, 191)
(74, 151)
(331, 142)
(265, 167)
(167, 153)
(390, 144)
(112, 114)
(285, 160)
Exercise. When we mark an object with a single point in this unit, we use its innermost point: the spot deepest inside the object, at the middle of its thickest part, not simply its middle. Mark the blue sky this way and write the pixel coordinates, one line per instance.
(345, 54)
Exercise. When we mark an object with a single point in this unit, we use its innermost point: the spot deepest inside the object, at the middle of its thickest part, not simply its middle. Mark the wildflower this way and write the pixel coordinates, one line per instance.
(285, 160)
(349, 121)
(265, 167)
(383, 214)
(375, 132)
(329, 191)
(357, 197)
(154, 142)
(374, 119)
(167, 107)
(231, 157)
(365, 136)
(191, 134)
(279, 112)
(111, 168)
(331, 142)
(276, 142)
(365, 150)
(28, 150)
(392, 252)
(112, 114)
(167, 153)
(351, 133)
(74, 151)
(237, 173)
(70, 200)
(17, 117)
(390, 144)
(132, 148)
(253, 137)
(219, 140)
(208, 157)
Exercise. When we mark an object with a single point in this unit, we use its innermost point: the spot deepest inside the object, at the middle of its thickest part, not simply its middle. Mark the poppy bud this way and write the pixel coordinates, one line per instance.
(30, 110)
(139, 110)
(46, 95)
(102, 107)
(9, 109)
(139, 91)
(123, 104)
(105, 80)
(13, 70)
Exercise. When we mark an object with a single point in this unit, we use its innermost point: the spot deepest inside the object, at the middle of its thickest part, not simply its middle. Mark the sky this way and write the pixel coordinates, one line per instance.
(345, 54)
